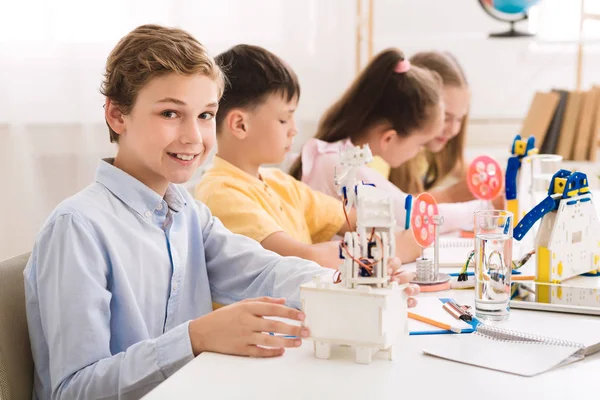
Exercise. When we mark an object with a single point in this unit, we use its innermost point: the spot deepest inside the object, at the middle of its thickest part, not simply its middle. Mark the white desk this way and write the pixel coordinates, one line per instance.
(299, 375)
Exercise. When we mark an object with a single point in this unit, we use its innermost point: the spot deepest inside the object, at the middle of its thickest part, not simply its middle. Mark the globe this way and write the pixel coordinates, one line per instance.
(510, 11)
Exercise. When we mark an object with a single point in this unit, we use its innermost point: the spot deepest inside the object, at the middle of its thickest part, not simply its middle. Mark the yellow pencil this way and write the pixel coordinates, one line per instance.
(434, 323)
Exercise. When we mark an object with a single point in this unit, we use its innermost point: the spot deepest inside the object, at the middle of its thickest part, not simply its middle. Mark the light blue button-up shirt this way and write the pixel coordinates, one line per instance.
(116, 274)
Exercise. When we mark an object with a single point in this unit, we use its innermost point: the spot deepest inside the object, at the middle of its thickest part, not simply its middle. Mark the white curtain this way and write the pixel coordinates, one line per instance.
(52, 55)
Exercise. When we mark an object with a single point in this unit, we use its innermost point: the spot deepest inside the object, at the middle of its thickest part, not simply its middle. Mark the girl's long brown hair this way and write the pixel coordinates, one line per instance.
(409, 176)
(379, 94)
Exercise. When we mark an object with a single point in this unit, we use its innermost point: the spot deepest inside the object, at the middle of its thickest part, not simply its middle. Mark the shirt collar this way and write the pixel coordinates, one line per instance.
(134, 193)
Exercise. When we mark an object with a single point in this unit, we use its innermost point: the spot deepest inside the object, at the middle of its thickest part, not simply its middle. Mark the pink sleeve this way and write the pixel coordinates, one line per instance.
(319, 160)
(318, 165)
(456, 215)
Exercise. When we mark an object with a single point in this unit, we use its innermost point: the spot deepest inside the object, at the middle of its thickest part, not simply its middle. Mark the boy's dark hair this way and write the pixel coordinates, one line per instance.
(252, 73)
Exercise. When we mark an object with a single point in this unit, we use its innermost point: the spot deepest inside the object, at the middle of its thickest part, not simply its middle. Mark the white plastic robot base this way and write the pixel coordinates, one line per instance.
(568, 241)
(368, 318)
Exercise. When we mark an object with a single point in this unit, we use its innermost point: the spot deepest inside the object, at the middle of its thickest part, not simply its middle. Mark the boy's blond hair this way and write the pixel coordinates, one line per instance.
(150, 51)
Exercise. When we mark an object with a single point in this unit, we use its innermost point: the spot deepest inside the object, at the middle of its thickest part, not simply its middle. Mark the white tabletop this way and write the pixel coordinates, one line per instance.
(299, 375)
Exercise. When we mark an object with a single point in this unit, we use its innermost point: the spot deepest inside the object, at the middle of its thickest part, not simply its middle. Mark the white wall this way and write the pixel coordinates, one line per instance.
(52, 54)
(503, 74)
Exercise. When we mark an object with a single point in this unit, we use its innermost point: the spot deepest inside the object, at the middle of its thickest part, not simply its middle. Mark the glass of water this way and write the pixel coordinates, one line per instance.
(493, 263)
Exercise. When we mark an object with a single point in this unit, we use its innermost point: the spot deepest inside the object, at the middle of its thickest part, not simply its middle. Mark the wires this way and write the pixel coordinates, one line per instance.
(515, 264)
(364, 262)
(337, 277)
(462, 276)
(367, 266)
(344, 204)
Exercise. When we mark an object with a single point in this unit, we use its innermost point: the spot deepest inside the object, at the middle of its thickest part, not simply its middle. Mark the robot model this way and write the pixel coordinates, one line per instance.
(360, 307)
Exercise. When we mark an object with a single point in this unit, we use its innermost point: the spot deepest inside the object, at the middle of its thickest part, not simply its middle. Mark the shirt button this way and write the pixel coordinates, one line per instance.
(174, 286)
(148, 214)
(159, 207)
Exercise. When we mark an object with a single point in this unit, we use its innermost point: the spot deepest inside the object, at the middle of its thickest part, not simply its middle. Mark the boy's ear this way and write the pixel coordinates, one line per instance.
(237, 123)
(114, 117)
(386, 139)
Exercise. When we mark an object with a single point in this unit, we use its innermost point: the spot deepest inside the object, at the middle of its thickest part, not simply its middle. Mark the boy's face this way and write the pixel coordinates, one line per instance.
(169, 131)
(271, 129)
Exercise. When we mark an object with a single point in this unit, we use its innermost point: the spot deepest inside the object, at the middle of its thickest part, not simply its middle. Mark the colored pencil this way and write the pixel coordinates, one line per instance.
(434, 323)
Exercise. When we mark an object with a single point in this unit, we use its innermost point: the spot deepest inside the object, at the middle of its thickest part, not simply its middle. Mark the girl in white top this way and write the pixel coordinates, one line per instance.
(396, 109)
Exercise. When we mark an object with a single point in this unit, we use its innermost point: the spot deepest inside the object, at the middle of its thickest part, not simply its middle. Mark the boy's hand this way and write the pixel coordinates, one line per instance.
(401, 276)
(238, 329)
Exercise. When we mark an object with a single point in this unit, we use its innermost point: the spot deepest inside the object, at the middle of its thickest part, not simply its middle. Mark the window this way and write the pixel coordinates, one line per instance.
(559, 21)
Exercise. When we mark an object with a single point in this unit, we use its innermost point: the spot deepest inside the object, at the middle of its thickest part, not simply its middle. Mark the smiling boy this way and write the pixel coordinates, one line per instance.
(121, 280)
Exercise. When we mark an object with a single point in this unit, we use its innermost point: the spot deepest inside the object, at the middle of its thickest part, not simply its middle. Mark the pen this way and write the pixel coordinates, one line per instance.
(451, 310)
(284, 336)
(523, 261)
(457, 311)
(465, 311)
(407, 207)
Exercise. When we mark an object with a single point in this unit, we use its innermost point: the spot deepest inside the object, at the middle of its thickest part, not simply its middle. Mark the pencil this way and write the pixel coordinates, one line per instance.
(522, 278)
(434, 323)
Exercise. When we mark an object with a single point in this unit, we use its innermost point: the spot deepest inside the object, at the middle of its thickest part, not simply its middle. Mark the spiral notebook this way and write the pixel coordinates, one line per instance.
(509, 351)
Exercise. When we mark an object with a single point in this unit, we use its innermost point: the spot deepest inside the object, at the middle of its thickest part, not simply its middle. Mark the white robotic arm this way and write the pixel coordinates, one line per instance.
(345, 179)
(367, 251)
(362, 308)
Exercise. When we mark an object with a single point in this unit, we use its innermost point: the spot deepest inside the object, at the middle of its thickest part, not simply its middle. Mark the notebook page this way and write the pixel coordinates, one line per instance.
(525, 359)
(453, 251)
(431, 307)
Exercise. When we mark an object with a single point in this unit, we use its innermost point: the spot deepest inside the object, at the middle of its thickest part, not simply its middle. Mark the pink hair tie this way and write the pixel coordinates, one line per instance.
(402, 67)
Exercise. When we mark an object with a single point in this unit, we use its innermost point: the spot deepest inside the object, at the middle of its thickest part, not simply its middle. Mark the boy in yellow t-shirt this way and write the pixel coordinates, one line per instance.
(255, 127)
